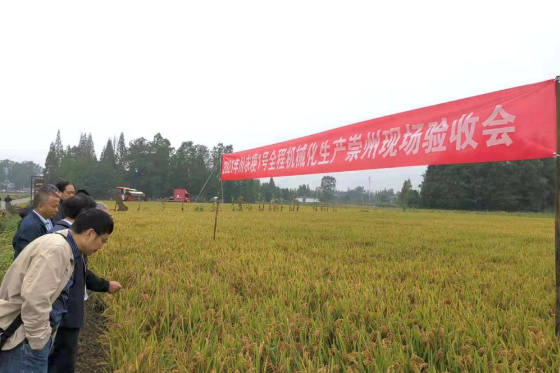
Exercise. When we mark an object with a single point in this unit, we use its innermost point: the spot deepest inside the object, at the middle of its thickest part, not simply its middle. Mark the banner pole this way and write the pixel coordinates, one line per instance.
(218, 202)
(557, 218)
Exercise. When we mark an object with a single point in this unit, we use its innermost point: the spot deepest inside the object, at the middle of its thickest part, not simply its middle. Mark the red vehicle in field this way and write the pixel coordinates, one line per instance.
(181, 195)
(131, 194)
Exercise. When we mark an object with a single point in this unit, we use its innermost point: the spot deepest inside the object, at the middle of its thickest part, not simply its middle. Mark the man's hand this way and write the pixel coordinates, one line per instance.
(114, 287)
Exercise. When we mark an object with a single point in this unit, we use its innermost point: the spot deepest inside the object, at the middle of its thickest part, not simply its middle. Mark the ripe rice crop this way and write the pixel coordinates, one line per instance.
(355, 290)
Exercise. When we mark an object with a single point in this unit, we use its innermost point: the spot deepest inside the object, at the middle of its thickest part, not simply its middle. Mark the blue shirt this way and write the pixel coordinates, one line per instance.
(47, 222)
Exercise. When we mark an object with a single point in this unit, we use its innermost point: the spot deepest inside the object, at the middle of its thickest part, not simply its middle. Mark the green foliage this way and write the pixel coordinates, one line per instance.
(504, 186)
(121, 154)
(327, 189)
(305, 191)
(405, 194)
(54, 160)
(108, 154)
(19, 173)
(156, 168)
(8, 227)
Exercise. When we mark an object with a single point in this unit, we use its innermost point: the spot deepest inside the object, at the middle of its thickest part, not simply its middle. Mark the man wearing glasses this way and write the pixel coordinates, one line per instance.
(65, 346)
(33, 283)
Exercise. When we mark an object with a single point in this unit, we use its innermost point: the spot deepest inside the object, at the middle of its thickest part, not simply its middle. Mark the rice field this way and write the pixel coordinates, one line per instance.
(356, 290)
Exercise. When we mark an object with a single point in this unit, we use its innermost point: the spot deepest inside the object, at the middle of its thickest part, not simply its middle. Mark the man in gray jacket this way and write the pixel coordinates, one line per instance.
(35, 280)
(64, 352)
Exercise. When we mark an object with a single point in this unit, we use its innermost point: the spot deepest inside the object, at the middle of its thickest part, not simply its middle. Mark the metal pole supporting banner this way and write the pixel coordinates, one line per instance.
(220, 189)
(557, 218)
(217, 208)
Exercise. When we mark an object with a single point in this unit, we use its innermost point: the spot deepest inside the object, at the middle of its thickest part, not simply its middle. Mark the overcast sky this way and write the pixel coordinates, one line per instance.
(252, 73)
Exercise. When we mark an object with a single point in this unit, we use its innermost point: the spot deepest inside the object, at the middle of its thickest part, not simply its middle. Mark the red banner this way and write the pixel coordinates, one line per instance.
(513, 124)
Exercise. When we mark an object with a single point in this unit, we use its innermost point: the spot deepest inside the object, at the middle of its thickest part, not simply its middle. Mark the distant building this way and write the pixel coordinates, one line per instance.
(307, 200)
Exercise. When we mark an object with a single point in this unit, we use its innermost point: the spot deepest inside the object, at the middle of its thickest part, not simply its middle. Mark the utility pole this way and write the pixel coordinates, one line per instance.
(369, 189)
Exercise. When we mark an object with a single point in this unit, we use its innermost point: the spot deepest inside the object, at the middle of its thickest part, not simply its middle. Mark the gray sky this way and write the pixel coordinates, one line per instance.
(252, 73)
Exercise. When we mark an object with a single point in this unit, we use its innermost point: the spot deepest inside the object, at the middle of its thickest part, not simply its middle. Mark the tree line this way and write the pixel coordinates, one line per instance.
(153, 167)
(498, 186)
(156, 168)
(17, 175)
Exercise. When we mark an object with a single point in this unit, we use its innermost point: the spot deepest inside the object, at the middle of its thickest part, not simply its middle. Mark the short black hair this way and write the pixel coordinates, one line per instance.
(73, 206)
(99, 221)
(83, 191)
(61, 185)
(43, 194)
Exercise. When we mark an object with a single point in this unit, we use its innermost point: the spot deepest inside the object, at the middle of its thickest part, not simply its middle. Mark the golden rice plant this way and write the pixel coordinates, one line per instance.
(355, 290)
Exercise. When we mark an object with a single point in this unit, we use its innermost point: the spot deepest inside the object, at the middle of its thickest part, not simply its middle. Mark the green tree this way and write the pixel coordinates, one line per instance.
(405, 194)
(137, 159)
(58, 148)
(216, 158)
(328, 188)
(268, 190)
(54, 160)
(108, 154)
(180, 166)
(159, 159)
(304, 190)
(52, 166)
(414, 199)
(90, 149)
(18, 173)
(121, 154)
(505, 186)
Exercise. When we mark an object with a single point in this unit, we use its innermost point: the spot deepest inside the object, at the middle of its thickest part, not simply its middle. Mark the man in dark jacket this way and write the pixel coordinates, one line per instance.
(38, 222)
(65, 348)
(66, 190)
(26, 210)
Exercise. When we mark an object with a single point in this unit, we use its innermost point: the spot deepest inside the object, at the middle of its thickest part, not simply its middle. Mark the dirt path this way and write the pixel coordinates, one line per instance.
(92, 355)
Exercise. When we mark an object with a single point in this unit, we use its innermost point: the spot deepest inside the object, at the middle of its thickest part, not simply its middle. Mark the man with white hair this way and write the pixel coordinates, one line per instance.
(103, 207)
(38, 222)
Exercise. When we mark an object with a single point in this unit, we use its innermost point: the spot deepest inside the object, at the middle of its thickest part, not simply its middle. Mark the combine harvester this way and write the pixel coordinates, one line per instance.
(130, 194)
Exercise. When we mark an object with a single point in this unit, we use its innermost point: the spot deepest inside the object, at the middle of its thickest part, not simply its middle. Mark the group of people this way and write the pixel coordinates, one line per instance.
(43, 293)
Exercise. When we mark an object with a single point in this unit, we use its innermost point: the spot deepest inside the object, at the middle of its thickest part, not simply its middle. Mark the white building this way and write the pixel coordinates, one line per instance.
(307, 200)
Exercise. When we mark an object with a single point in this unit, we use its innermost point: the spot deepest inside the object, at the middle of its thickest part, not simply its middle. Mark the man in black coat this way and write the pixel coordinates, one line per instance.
(26, 210)
(65, 347)
(38, 222)
(66, 190)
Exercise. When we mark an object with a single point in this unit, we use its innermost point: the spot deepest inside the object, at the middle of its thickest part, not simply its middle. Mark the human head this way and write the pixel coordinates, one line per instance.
(77, 204)
(91, 229)
(46, 201)
(52, 189)
(83, 191)
(103, 207)
(66, 189)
